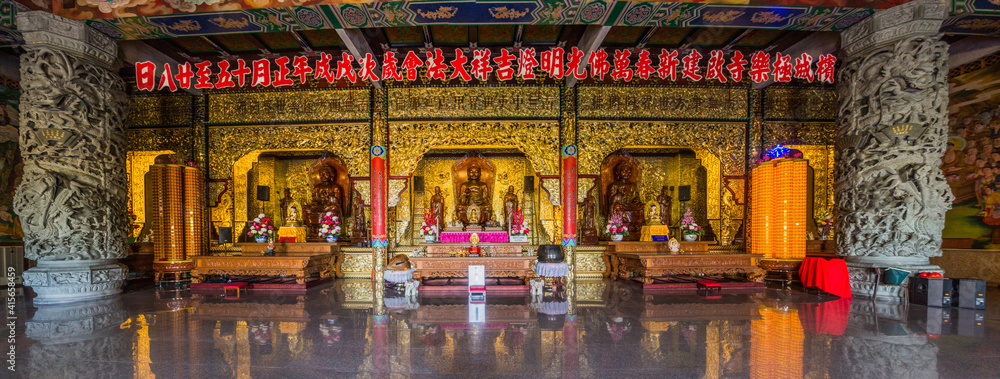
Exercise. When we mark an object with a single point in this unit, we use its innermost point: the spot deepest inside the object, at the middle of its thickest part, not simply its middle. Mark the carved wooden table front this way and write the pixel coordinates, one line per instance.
(496, 267)
(300, 248)
(650, 266)
(300, 265)
(687, 247)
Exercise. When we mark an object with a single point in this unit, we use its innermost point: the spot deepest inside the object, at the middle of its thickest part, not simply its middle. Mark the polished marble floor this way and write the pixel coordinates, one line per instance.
(598, 329)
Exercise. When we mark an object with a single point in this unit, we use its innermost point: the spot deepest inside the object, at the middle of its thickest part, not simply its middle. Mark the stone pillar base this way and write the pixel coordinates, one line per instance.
(72, 281)
(863, 283)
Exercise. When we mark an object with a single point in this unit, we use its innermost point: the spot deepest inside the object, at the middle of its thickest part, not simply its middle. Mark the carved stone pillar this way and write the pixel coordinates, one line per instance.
(891, 133)
(72, 198)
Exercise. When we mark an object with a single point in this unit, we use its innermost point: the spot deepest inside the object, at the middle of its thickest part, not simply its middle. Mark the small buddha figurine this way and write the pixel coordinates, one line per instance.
(652, 213)
(293, 216)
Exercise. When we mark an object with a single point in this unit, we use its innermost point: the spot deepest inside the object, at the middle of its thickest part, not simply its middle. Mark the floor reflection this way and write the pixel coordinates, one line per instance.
(594, 329)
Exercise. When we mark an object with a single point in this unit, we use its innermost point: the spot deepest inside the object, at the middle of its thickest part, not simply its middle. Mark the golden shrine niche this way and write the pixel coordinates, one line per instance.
(474, 191)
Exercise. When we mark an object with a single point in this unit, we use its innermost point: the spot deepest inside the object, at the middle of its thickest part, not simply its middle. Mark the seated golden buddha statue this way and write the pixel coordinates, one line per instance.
(473, 204)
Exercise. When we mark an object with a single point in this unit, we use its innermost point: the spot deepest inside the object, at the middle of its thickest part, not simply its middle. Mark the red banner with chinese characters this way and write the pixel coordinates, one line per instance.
(556, 62)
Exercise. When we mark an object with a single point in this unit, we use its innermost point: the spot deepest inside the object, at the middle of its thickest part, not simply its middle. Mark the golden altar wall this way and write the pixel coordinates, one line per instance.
(710, 121)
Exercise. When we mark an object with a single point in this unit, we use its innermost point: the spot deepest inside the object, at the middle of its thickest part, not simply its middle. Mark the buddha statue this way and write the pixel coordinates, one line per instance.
(437, 208)
(509, 207)
(589, 228)
(623, 191)
(327, 196)
(622, 195)
(473, 204)
(666, 203)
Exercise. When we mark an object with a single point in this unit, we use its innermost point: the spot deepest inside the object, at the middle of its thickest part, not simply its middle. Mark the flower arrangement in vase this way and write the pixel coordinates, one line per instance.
(329, 227)
(519, 226)
(825, 222)
(429, 228)
(616, 228)
(689, 228)
(261, 228)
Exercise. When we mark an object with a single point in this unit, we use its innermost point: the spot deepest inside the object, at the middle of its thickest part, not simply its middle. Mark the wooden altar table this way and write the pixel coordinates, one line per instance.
(452, 267)
(253, 249)
(645, 247)
(441, 250)
(651, 266)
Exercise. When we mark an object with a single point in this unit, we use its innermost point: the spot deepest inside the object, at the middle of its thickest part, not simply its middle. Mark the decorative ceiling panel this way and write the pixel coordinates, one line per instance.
(546, 34)
(760, 37)
(407, 35)
(624, 35)
(279, 40)
(236, 42)
(668, 36)
(497, 34)
(322, 38)
(450, 34)
(195, 45)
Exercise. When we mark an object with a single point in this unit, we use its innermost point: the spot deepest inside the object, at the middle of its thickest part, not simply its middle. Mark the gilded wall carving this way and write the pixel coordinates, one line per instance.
(821, 160)
(229, 143)
(473, 102)
(800, 103)
(568, 116)
(289, 106)
(606, 102)
(539, 140)
(177, 140)
(798, 133)
(160, 111)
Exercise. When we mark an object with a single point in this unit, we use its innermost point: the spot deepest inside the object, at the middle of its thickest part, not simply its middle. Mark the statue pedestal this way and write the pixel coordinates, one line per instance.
(298, 232)
(71, 281)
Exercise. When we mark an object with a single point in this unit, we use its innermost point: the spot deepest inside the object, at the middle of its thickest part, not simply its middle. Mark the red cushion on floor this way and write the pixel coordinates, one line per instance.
(709, 283)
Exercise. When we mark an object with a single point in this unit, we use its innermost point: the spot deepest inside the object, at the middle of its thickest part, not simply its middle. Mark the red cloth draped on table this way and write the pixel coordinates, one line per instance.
(484, 237)
(827, 275)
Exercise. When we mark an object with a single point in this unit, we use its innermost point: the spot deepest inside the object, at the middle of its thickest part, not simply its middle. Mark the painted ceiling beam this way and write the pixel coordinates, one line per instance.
(971, 49)
(815, 44)
(139, 51)
(358, 45)
(591, 40)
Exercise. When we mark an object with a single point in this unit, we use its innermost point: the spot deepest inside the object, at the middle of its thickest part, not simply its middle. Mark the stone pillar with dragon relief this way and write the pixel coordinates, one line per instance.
(72, 198)
(892, 128)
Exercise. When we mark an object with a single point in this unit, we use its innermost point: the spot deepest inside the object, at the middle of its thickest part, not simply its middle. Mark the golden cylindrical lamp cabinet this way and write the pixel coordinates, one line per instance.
(178, 207)
(779, 195)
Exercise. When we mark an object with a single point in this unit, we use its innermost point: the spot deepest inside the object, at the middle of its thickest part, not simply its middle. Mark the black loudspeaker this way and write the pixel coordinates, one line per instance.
(969, 293)
(529, 184)
(970, 323)
(684, 193)
(263, 193)
(930, 292)
(225, 235)
(418, 183)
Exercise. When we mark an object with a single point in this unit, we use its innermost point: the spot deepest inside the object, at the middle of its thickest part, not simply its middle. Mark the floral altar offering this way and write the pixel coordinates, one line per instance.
(616, 228)
(429, 228)
(329, 227)
(519, 227)
(261, 228)
(690, 228)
